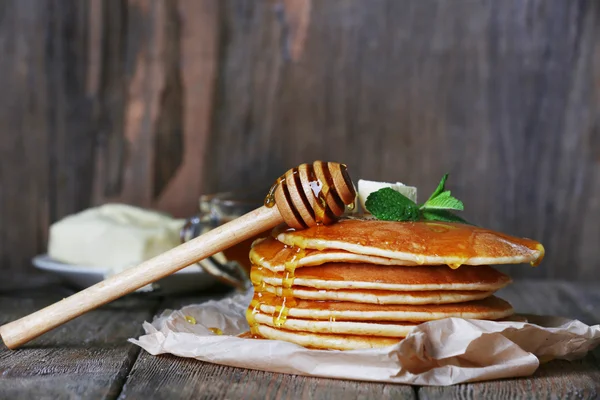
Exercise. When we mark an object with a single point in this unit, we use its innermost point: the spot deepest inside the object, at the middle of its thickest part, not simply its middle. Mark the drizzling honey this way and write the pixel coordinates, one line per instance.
(282, 300)
(287, 296)
(542, 251)
(216, 331)
(251, 311)
(299, 242)
(301, 209)
(270, 197)
(320, 190)
(351, 207)
(281, 312)
(321, 196)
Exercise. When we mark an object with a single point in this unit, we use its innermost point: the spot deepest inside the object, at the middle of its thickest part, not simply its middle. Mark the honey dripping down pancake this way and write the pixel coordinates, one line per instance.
(398, 329)
(423, 243)
(489, 308)
(382, 296)
(272, 254)
(336, 276)
(368, 283)
(325, 341)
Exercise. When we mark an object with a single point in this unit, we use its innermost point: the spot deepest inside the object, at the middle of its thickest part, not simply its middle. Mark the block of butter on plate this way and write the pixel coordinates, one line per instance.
(116, 236)
(365, 188)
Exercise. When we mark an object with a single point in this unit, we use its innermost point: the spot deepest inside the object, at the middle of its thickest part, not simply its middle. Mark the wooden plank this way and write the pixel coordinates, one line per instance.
(167, 377)
(503, 95)
(587, 297)
(556, 379)
(546, 298)
(199, 41)
(24, 177)
(102, 101)
(94, 93)
(159, 75)
(88, 357)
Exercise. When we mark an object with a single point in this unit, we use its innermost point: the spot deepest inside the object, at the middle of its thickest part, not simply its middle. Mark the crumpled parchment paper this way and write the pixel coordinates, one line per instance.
(442, 352)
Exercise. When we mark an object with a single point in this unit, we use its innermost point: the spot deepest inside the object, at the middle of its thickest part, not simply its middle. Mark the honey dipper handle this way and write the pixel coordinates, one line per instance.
(19, 332)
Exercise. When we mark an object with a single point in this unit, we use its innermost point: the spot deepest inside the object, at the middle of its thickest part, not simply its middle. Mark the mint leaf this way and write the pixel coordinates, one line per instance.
(444, 201)
(442, 215)
(389, 205)
(439, 189)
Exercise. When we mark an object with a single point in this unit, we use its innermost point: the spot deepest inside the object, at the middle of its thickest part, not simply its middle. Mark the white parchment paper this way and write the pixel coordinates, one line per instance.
(442, 352)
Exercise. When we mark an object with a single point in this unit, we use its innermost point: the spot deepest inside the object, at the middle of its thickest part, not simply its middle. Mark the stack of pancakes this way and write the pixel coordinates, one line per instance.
(367, 283)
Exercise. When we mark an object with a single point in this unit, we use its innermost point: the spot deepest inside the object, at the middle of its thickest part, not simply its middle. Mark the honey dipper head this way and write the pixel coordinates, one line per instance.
(313, 194)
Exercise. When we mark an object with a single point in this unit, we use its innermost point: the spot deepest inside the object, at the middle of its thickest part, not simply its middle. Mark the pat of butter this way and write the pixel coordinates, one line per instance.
(114, 235)
(365, 188)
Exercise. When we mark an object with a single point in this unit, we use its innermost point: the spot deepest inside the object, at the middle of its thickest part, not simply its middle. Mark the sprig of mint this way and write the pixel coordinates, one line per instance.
(442, 199)
(389, 205)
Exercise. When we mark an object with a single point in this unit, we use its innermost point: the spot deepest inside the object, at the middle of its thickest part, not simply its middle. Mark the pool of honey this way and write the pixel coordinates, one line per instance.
(249, 335)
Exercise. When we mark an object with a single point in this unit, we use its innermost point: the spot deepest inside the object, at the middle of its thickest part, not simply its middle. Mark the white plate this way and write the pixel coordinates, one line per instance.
(192, 278)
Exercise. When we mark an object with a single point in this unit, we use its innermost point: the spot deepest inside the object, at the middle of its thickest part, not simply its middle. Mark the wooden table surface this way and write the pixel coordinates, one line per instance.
(90, 357)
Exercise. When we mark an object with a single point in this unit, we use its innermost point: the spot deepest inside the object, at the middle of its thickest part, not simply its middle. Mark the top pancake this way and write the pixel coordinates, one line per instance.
(423, 242)
(273, 255)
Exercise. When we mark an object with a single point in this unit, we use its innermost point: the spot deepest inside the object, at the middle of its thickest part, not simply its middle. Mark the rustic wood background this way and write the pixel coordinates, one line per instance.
(153, 102)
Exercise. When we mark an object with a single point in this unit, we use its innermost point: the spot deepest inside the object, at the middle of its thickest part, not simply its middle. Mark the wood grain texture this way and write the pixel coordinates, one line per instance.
(503, 95)
(198, 68)
(24, 178)
(164, 70)
(90, 358)
(168, 377)
(101, 102)
(556, 379)
(154, 102)
(86, 358)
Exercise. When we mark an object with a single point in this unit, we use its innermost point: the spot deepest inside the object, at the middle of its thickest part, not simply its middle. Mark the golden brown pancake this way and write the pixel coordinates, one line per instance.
(273, 255)
(423, 242)
(367, 276)
(488, 308)
(362, 284)
(379, 296)
(336, 335)
(376, 328)
(326, 341)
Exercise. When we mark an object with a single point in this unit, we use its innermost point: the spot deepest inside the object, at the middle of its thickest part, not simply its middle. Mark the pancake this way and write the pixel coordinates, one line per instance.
(361, 284)
(273, 255)
(489, 308)
(379, 296)
(424, 242)
(326, 341)
(367, 276)
(387, 329)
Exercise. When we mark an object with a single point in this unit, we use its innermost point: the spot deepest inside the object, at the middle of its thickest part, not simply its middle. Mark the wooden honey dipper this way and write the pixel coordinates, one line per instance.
(305, 196)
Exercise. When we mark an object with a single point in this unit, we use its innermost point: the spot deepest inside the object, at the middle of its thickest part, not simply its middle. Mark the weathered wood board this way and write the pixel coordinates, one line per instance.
(153, 102)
